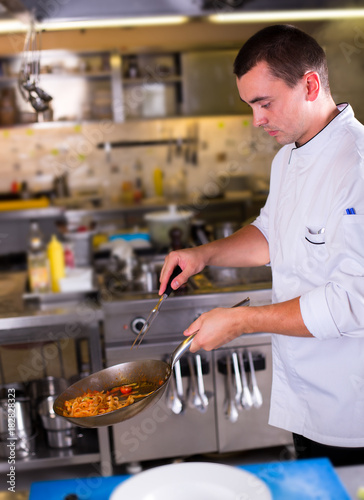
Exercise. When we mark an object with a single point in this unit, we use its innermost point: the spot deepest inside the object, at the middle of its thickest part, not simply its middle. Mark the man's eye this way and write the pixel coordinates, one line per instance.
(266, 105)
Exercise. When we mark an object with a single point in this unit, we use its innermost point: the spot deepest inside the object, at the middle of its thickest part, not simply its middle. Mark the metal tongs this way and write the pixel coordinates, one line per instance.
(154, 312)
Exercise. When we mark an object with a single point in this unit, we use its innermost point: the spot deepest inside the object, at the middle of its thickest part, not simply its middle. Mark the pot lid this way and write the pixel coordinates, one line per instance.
(170, 215)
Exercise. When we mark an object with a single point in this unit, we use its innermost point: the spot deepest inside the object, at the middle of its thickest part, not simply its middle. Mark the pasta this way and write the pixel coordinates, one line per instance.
(94, 403)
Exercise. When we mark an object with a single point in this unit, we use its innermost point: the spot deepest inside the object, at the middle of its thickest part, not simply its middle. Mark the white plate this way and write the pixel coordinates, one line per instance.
(193, 481)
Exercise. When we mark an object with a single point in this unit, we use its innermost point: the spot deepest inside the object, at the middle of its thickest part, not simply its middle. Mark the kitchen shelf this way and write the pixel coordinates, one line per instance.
(85, 451)
(30, 326)
(143, 80)
(92, 94)
(149, 85)
(87, 75)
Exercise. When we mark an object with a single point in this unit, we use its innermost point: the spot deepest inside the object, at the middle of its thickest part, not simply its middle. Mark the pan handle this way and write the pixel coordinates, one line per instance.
(181, 349)
(185, 345)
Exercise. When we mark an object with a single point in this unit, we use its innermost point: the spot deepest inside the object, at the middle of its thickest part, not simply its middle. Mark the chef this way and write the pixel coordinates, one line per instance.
(311, 233)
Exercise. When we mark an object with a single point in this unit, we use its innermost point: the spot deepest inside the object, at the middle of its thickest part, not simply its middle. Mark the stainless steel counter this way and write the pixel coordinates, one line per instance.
(18, 313)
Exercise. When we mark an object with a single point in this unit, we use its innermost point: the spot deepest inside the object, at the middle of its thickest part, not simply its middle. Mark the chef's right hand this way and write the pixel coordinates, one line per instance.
(190, 260)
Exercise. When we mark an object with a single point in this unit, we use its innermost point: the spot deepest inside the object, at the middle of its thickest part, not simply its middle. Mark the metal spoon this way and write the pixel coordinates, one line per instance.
(231, 411)
(256, 394)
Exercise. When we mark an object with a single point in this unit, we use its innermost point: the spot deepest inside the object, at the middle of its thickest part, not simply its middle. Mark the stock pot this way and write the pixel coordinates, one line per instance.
(160, 223)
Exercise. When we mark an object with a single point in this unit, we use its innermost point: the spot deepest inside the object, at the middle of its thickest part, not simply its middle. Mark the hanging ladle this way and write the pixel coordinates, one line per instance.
(37, 103)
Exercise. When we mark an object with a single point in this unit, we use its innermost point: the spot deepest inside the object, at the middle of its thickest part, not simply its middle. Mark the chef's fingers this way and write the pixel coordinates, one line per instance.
(170, 263)
(215, 328)
(193, 328)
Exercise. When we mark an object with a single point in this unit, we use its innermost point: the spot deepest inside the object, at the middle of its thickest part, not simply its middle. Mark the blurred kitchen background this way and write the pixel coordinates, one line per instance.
(128, 100)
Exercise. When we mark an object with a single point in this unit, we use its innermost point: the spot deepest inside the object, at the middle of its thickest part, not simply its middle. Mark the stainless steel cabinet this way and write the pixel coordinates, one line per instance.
(251, 429)
(158, 432)
(209, 85)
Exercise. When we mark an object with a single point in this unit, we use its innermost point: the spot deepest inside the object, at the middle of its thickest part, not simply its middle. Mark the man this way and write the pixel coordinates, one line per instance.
(311, 232)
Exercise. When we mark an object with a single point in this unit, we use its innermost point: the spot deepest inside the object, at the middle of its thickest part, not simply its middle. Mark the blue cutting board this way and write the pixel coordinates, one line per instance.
(313, 479)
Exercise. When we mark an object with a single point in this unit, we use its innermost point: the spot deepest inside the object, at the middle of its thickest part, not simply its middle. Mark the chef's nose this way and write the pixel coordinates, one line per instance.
(259, 119)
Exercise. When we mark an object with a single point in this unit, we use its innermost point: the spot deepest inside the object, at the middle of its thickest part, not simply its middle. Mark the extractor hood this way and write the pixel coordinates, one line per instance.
(72, 10)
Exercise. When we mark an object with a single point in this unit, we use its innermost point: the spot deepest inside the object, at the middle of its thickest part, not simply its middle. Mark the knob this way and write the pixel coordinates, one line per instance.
(137, 324)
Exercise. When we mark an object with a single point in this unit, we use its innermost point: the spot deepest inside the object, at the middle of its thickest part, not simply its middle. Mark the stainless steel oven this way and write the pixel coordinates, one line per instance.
(202, 411)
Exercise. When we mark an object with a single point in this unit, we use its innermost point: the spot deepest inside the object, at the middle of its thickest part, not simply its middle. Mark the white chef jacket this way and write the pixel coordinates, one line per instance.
(317, 253)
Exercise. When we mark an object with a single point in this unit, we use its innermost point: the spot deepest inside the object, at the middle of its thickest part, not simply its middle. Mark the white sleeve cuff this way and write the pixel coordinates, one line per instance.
(317, 316)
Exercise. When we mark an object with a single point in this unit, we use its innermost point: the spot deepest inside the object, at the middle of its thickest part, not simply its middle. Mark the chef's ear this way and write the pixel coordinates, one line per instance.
(313, 85)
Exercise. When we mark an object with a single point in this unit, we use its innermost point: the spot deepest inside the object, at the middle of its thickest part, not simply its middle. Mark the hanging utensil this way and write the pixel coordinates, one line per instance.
(246, 398)
(200, 383)
(193, 398)
(173, 400)
(179, 382)
(37, 103)
(239, 387)
(154, 312)
(28, 80)
(256, 394)
(231, 411)
(42, 94)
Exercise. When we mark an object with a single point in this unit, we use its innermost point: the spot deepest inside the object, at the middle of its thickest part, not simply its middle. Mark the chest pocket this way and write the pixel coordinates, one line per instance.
(314, 237)
(353, 226)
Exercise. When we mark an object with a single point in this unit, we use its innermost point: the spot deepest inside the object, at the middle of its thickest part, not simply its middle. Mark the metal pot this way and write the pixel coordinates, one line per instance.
(160, 224)
(225, 229)
(19, 414)
(51, 421)
(47, 386)
(62, 439)
(82, 247)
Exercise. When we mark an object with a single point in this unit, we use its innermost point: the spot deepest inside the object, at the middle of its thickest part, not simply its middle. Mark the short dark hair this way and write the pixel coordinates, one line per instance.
(288, 51)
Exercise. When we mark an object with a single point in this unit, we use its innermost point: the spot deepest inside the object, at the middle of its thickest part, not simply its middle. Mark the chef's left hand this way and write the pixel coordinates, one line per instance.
(216, 328)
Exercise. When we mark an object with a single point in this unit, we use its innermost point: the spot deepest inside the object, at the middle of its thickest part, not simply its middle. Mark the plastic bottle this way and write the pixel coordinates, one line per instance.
(158, 181)
(56, 263)
(38, 266)
(138, 188)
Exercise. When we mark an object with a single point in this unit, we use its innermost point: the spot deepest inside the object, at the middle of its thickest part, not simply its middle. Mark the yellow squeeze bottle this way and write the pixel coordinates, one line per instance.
(56, 263)
(158, 182)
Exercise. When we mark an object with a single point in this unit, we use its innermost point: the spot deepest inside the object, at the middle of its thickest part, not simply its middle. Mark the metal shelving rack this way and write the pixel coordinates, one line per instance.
(94, 445)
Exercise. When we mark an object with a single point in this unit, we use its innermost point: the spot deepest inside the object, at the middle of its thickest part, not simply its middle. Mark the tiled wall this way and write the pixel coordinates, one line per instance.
(227, 144)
